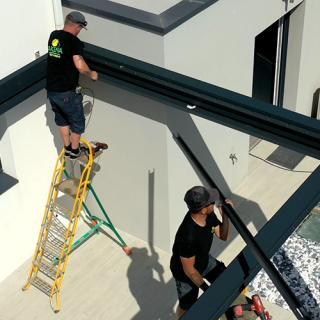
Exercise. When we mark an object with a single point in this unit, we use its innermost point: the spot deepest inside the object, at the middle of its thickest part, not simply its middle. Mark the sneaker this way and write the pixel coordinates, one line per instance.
(74, 154)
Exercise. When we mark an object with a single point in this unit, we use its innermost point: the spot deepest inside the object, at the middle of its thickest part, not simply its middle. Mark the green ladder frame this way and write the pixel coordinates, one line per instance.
(100, 222)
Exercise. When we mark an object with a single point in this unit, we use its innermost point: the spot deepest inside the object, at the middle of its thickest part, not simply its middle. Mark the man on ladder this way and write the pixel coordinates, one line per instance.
(65, 62)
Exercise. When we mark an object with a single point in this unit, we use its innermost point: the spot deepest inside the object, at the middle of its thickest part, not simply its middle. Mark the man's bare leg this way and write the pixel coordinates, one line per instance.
(65, 135)
(180, 312)
(75, 140)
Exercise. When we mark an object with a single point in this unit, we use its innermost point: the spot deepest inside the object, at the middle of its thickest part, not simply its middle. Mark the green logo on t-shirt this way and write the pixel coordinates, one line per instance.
(54, 50)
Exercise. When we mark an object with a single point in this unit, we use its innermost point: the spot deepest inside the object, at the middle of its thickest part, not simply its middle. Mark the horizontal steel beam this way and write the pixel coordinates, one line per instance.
(234, 110)
(22, 84)
(231, 109)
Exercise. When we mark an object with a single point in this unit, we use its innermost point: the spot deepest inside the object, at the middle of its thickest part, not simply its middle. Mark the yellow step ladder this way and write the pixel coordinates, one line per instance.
(55, 239)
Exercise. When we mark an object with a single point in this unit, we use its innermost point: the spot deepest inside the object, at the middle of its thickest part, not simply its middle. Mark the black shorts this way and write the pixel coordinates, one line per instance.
(68, 110)
(188, 292)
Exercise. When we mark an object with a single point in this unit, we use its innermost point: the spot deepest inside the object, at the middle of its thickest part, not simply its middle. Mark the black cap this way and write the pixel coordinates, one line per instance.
(200, 197)
(77, 17)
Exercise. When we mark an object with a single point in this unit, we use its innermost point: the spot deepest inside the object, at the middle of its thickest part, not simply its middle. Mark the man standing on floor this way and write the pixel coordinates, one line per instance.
(65, 62)
(191, 262)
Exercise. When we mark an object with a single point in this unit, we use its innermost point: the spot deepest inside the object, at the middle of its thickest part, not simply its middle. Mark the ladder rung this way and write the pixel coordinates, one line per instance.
(53, 247)
(42, 285)
(50, 255)
(54, 241)
(69, 186)
(57, 228)
(48, 269)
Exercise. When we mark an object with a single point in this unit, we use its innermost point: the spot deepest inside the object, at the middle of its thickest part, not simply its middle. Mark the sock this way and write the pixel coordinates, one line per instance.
(74, 150)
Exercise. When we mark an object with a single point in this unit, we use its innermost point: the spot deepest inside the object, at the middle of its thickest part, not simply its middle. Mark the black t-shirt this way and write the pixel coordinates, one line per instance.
(62, 75)
(192, 240)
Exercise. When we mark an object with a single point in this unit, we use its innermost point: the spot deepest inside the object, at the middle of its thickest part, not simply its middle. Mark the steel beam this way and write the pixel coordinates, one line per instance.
(22, 84)
(252, 244)
(226, 107)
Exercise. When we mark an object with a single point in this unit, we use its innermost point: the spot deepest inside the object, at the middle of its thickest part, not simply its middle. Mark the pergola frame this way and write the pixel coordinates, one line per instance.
(219, 105)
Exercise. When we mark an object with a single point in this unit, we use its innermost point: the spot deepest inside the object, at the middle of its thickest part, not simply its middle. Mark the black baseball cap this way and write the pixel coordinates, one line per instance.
(199, 197)
(77, 17)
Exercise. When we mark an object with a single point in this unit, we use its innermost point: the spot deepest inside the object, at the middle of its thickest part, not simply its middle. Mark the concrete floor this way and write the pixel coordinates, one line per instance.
(262, 193)
(101, 282)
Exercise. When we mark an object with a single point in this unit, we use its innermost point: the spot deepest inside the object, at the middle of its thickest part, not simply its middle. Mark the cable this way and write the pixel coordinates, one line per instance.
(91, 92)
(277, 166)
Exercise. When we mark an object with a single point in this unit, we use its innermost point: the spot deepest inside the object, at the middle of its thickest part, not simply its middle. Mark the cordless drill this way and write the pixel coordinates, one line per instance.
(255, 305)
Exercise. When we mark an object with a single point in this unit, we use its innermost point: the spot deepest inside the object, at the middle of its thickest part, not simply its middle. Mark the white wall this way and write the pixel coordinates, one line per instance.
(142, 149)
(132, 182)
(217, 45)
(26, 26)
(303, 64)
(123, 39)
(156, 7)
(28, 153)
(26, 145)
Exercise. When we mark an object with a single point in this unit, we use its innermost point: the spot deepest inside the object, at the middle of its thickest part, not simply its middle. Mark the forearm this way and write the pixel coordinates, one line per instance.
(225, 226)
(85, 70)
(192, 273)
(196, 278)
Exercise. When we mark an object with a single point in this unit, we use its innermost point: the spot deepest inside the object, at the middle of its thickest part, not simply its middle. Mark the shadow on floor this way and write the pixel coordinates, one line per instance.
(153, 295)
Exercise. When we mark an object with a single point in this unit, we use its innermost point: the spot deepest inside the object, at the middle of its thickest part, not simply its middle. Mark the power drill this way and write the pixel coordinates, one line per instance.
(256, 306)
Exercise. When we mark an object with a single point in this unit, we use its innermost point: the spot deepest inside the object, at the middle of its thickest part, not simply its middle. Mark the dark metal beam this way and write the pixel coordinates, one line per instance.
(246, 235)
(231, 109)
(22, 84)
(254, 117)
(245, 267)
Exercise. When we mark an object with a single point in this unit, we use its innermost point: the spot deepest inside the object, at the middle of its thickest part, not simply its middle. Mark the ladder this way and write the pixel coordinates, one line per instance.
(55, 239)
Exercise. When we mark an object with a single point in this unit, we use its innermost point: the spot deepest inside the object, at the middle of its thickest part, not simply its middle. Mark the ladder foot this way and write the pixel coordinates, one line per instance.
(25, 287)
(55, 302)
(127, 250)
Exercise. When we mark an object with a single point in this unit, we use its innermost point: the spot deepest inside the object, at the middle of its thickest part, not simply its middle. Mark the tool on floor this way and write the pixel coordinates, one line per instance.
(255, 305)
(59, 224)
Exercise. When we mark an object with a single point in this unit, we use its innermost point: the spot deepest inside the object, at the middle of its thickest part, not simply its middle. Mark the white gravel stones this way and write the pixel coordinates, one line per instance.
(298, 261)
